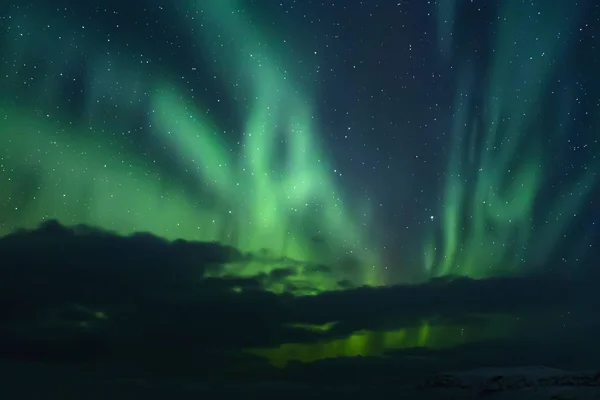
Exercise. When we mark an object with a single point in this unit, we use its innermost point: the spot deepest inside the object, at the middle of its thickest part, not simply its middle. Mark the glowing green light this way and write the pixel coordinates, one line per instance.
(492, 189)
(74, 170)
(377, 343)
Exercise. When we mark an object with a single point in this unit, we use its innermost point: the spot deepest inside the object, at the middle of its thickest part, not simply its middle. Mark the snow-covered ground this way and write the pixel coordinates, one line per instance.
(24, 381)
(517, 383)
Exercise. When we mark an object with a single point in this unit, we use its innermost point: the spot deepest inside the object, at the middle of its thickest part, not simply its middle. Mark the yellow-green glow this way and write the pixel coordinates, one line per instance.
(370, 343)
(315, 328)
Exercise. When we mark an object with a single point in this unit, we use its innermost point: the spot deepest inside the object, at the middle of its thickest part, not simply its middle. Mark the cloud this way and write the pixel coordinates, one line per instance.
(448, 299)
(82, 293)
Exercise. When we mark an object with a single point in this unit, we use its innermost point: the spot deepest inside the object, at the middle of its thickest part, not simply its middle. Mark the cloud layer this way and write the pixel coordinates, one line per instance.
(72, 294)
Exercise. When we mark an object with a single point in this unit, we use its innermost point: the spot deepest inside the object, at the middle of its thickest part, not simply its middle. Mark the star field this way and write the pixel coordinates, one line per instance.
(392, 141)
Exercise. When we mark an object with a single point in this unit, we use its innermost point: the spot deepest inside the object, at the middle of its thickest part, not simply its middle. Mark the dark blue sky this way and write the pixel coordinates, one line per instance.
(388, 83)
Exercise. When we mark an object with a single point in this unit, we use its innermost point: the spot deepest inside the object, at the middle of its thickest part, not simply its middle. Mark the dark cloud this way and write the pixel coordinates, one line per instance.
(73, 294)
(449, 299)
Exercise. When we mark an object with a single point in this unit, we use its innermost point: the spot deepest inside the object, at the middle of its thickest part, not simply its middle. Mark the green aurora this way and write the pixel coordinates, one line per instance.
(56, 167)
(501, 158)
(67, 171)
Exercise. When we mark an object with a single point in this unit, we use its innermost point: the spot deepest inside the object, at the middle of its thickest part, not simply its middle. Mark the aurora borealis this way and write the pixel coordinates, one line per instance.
(178, 175)
(335, 146)
(499, 216)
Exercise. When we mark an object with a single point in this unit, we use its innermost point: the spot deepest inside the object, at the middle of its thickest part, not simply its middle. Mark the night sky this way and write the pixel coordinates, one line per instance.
(407, 138)
(333, 144)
